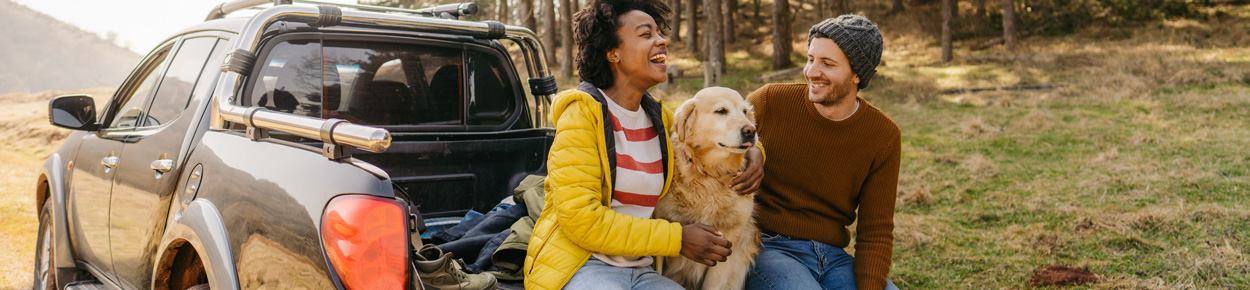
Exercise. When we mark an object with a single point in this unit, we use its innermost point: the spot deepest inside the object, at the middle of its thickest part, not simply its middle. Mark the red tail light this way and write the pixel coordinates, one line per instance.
(366, 238)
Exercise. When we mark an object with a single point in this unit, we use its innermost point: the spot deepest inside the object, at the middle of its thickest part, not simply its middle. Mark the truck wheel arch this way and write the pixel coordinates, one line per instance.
(52, 186)
(179, 268)
(195, 240)
(41, 192)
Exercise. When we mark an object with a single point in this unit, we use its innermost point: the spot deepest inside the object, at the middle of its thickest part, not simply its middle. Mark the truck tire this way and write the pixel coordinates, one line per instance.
(45, 268)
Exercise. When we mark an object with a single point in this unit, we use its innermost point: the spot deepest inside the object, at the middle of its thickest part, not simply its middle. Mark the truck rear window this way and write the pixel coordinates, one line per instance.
(385, 83)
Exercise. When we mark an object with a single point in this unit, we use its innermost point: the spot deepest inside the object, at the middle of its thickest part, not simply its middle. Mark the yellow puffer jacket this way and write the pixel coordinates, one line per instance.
(577, 219)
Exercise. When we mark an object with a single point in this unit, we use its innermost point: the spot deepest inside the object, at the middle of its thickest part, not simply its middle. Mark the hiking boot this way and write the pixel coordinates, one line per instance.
(438, 270)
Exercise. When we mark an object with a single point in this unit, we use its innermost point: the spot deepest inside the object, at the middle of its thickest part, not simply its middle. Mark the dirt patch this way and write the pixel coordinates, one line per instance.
(1058, 275)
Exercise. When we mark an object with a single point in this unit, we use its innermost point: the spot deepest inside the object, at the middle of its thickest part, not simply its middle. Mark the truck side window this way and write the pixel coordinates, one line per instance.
(129, 104)
(212, 68)
(492, 99)
(175, 89)
(290, 79)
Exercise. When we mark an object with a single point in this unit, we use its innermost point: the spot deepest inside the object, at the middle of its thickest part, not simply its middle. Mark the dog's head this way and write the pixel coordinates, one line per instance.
(716, 126)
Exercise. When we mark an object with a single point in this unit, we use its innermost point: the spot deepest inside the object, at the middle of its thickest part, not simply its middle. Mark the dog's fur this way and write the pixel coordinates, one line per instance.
(709, 149)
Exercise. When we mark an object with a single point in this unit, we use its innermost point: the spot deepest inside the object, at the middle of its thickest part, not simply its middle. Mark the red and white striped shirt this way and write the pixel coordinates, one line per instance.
(639, 171)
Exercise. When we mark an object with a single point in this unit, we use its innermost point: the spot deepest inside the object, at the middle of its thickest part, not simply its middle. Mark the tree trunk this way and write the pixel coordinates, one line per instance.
(946, 30)
(954, 5)
(820, 8)
(1009, 24)
(714, 43)
(731, 9)
(980, 10)
(675, 23)
(757, 11)
(781, 35)
(692, 30)
(549, 33)
(897, 7)
(844, 7)
(566, 38)
(503, 11)
(527, 15)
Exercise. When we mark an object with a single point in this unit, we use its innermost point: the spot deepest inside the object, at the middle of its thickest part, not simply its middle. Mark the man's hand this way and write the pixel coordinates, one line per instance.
(749, 180)
(703, 244)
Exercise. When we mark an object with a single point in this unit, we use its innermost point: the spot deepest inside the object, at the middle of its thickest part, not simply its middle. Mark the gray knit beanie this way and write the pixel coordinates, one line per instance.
(859, 39)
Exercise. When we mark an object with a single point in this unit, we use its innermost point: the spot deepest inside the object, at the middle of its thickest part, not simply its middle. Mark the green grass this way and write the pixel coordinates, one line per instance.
(1171, 207)
(1137, 168)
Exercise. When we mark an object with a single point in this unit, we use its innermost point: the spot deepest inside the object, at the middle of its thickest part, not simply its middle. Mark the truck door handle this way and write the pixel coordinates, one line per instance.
(110, 161)
(162, 165)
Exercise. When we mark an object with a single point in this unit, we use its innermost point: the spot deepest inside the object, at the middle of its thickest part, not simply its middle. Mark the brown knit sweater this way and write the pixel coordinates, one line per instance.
(820, 171)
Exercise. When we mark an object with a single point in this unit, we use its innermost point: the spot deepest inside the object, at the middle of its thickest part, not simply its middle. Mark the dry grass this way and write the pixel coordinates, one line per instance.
(25, 129)
(18, 219)
(1136, 167)
(977, 127)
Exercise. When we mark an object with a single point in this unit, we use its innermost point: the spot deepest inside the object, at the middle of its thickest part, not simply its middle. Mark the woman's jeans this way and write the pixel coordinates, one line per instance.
(601, 276)
(784, 263)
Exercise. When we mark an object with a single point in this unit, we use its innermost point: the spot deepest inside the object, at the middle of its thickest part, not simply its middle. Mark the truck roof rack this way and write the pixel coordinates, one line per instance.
(447, 11)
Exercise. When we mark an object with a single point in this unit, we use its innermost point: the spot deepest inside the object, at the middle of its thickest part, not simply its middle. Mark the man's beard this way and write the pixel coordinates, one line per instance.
(837, 93)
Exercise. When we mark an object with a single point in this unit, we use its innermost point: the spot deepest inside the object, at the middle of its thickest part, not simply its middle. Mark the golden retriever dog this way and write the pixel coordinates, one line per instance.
(711, 135)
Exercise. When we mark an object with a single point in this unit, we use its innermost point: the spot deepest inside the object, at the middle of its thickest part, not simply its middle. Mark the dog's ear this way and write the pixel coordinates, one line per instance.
(683, 120)
(751, 114)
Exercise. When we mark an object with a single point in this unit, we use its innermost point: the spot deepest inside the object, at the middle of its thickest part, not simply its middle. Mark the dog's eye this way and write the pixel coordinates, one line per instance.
(722, 111)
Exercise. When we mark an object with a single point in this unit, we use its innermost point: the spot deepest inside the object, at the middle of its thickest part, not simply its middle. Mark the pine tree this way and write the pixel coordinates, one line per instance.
(946, 30)
(527, 15)
(781, 35)
(713, 60)
(549, 33)
(566, 38)
(692, 30)
(1009, 24)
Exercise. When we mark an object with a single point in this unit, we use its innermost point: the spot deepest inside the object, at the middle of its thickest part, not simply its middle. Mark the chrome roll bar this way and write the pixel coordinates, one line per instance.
(333, 131)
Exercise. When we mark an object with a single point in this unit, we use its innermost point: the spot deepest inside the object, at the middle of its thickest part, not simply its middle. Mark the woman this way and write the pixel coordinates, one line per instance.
(611, 162)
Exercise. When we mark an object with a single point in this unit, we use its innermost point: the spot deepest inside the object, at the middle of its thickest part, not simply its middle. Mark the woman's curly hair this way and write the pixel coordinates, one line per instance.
(594, 32)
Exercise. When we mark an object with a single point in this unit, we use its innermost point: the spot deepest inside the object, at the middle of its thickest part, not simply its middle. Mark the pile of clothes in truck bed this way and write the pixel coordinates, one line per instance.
(495, 242)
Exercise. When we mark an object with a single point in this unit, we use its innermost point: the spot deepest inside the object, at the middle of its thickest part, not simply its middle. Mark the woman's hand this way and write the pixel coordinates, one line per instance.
(703, 244)
(749, 180)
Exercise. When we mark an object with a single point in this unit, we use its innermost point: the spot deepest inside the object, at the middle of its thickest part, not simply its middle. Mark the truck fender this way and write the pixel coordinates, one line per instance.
(200, 225)
(54, 170)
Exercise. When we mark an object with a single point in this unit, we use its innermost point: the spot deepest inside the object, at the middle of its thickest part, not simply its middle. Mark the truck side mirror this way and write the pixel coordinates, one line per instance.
(75, 112)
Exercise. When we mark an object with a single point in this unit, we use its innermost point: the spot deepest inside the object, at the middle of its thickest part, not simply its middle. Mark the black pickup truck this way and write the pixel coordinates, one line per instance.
(298, 147)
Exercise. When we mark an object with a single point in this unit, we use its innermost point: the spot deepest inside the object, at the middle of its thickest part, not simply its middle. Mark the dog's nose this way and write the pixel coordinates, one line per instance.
(748, 133)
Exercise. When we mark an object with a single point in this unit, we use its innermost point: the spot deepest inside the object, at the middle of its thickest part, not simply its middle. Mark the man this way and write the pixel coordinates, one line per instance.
(831, 157)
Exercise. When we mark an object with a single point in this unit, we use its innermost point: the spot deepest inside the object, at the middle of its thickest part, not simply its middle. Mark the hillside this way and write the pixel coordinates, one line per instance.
(42, 53)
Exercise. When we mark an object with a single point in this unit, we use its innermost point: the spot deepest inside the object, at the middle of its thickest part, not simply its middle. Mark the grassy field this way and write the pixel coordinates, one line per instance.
(28, 139)
(1137, 167)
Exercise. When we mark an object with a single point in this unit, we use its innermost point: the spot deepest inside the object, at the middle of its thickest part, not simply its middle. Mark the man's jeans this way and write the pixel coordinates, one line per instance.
(601, 276)
(784, 263)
